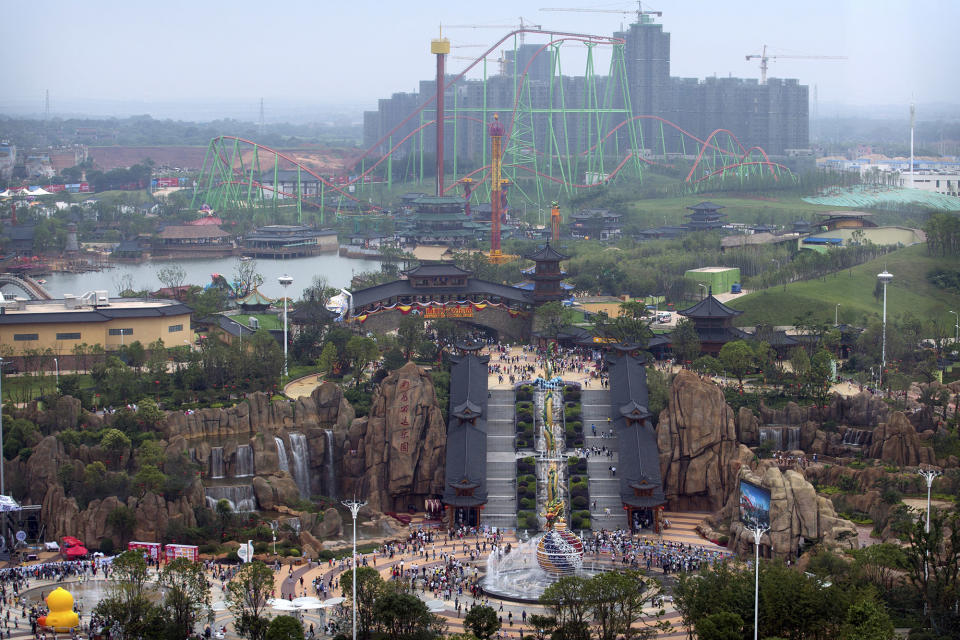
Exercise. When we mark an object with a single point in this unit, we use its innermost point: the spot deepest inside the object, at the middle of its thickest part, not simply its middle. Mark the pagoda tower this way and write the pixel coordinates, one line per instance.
(547, 275)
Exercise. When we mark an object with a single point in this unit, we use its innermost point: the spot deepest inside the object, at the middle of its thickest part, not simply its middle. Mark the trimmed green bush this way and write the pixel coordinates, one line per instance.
(580, 502)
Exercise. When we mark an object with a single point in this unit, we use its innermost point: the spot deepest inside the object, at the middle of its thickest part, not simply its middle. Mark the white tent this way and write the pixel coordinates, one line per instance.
(39, 191)
(5, 193)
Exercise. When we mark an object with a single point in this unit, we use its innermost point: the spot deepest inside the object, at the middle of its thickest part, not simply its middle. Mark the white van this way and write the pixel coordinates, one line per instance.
(663, 317)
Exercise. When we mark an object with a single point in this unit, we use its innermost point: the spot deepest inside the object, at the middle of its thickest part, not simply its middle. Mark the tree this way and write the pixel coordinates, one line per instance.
(405, 616)
(617, 601)
(737, 358)
(369, 587)
(550, 318)
(224, 515)
(248, 596)
(933, 569)
(285, 628)
(123, 520)
(411, 333)
(632, 325)
(685, 341)
(819, 379)
(116, 443)
(867, 619)
(362, 351)
(542, 625)
(482, 621)
(186, 595)
(128, 610)
(565, 600)
(328, 358)
(172, 277)
(149, 479)
(723, 625)
(245, 277)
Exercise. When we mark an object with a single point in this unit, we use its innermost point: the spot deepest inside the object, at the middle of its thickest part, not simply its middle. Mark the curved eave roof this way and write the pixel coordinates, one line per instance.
(710, 307)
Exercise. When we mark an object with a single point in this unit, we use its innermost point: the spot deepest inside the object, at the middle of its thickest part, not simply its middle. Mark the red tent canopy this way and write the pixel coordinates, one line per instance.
(77, 551)
(70, 541)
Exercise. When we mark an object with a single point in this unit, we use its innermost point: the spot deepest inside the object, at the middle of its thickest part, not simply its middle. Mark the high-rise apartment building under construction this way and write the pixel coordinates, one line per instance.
(773, 115)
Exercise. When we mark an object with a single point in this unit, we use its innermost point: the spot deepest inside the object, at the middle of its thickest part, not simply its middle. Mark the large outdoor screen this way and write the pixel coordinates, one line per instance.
(754, 505)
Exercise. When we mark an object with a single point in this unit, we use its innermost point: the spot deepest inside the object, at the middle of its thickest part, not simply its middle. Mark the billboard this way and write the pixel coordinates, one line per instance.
(174, 551)
(754, 505)
(151, 549)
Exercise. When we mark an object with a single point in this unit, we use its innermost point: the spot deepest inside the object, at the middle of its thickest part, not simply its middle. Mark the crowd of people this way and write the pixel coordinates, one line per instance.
(529, 363)
(644, 552)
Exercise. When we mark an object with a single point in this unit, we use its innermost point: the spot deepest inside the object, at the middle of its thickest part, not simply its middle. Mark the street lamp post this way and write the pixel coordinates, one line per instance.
(757, 530)
(285, 281)
(956, 337)
(884, 277)
(354, 506)
(2, 487)
(704, 287)
(56, 363)
(836, 315)
(928, 475)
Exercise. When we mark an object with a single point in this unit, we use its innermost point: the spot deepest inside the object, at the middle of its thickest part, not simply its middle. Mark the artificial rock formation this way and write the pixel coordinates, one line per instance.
(698, 445)
(797, 514)
(897, 442)
(395, 456)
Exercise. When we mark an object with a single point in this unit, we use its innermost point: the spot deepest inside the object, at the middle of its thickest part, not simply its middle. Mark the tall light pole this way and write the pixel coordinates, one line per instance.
(285, 281)
(928, 475)
(704, 287)
(354, 506)
(885, 277)
(2, 487)
(758, 530)
(956, 337)
(836, 315)
(56, 363)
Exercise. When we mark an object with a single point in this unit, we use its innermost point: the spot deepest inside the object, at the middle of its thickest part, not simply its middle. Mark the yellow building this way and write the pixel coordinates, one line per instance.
(60, 325)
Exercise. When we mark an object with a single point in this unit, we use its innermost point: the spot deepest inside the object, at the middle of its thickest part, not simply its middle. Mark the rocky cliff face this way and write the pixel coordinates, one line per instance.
(395, 456)
(698, 445)
(797, 514)
(897, 442)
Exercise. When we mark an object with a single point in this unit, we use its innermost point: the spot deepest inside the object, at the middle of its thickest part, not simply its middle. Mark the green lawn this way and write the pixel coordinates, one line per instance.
(852, 289)
(751, 210)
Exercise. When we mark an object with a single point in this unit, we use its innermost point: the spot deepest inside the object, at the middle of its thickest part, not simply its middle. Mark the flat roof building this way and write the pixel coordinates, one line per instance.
(93, 319)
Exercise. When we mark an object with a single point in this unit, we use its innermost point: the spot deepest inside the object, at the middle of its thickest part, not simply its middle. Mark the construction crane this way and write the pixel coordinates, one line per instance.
(524, 24)
(643, 16)
(764, 58)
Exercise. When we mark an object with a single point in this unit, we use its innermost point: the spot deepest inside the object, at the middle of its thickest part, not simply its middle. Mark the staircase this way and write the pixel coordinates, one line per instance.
(501, 507)
(604, 489)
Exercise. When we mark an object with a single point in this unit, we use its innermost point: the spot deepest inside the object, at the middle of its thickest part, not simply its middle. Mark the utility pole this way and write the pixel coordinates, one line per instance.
(885, 277)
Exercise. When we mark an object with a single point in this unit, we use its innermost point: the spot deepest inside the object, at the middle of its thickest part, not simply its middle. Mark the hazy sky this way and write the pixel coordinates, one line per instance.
(200, 52)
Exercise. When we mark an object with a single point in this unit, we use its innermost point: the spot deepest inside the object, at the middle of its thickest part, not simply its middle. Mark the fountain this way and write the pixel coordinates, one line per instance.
(524, 573)
(216, 462)
(330, 473)
(301, 463)
(244, 466)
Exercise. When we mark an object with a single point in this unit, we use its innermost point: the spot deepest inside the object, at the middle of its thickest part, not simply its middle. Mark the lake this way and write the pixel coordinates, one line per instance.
(337, 270)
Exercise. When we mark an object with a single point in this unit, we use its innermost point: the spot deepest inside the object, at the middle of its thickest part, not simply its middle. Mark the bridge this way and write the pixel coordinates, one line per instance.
(26, 284)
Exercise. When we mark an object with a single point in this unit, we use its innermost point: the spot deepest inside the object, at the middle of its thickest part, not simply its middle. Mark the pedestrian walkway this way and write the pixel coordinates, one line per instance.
(606, 508)
(501, 507)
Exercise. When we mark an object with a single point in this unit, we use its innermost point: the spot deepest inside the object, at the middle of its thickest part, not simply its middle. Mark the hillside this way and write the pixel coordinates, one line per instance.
(852, 289)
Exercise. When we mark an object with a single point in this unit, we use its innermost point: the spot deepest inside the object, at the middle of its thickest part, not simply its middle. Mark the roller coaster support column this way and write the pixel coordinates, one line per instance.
(440, 47)
(467, 192)
(555, 223)
(496, 133)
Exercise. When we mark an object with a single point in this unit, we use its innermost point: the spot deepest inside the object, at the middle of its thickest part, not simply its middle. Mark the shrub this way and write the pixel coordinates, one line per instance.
(571, 392)
(106, 546)
(580, 502)
(527, 503)
(723, 540)
(525, 392)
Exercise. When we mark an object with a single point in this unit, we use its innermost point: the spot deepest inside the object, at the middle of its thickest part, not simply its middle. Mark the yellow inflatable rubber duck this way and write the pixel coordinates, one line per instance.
(62, 616)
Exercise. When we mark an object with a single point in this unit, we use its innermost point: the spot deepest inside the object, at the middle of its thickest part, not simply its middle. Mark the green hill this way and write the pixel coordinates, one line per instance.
(853, 289)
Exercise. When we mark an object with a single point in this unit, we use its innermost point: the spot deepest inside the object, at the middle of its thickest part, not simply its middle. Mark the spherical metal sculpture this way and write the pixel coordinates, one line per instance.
(560, 552)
